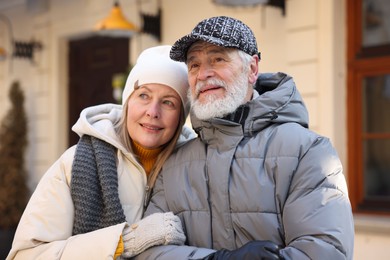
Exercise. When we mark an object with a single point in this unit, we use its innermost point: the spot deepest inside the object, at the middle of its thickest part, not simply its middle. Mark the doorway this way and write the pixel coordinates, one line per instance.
(92, 63)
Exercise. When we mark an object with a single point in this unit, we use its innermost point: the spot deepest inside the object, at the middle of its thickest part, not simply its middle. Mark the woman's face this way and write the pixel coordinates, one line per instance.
(153, 115)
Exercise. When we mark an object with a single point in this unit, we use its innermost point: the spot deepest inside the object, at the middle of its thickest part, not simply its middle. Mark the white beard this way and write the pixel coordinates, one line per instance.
(219, 107)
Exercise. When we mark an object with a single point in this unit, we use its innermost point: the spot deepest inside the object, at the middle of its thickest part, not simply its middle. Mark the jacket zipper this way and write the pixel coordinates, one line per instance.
(147, 196)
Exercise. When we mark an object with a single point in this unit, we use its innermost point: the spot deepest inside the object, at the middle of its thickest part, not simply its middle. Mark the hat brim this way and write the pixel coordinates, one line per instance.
(180, 48)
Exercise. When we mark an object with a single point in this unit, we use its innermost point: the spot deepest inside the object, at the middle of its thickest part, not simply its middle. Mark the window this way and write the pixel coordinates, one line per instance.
(369, 105)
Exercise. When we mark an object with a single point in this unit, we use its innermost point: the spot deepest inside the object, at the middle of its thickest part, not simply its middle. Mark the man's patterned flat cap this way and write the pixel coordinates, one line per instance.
(221, 30)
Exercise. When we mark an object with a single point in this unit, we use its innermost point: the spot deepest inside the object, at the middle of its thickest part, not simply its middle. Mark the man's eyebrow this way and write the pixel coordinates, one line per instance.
(190, 58)
(216, 50)
(210, 51)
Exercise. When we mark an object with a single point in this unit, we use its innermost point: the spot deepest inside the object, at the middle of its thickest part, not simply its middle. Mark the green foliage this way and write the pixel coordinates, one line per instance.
(13, 142)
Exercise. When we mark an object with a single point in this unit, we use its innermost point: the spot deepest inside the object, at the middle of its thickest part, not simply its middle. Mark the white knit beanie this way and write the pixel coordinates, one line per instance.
(155, 66)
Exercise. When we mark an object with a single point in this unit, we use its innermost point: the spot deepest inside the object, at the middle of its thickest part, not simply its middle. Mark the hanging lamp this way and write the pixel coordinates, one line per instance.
(232, 3)
(115, 24)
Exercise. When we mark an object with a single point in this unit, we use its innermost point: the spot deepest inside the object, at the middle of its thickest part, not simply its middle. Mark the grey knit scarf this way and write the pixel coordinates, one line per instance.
(94, 186)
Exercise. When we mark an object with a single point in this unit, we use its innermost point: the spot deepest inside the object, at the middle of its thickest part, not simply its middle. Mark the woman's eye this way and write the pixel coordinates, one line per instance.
(169, 103)
(143, 96)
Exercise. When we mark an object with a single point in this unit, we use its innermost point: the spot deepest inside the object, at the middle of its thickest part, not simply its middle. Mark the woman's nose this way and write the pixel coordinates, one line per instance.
(153, 110)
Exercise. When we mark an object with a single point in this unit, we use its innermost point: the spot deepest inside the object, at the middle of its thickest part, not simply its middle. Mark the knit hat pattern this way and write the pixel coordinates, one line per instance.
(220, 30)
(155, 66)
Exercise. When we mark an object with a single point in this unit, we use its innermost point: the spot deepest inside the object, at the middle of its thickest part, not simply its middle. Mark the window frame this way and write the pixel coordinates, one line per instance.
(362, 62)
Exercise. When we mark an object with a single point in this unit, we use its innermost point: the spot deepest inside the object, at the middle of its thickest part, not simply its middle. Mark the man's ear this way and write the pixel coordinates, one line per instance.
(253, 69)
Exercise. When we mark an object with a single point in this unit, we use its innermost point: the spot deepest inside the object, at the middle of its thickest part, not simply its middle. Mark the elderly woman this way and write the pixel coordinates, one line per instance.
(90, 202)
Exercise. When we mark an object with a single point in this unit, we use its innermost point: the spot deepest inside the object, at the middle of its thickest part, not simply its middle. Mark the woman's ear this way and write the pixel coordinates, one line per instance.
(253, 69)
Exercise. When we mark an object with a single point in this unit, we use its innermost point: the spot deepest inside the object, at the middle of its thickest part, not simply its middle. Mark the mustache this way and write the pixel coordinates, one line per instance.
(201, 84)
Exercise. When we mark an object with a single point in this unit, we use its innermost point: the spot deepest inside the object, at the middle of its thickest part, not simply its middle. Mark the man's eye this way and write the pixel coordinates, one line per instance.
(193, 66)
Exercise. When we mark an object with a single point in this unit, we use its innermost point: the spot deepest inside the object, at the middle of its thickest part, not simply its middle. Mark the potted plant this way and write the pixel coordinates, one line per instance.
(14, 192)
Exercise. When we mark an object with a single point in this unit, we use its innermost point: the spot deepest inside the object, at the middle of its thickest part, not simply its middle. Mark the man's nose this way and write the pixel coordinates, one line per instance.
(205, 71)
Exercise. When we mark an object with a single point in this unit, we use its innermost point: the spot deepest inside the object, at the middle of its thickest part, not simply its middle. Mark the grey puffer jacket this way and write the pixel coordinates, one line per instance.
(259, 174)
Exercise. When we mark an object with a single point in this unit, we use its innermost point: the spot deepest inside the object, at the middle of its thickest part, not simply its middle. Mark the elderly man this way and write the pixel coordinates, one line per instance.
(256, 183)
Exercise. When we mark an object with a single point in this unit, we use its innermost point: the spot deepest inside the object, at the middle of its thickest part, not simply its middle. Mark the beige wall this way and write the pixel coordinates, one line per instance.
(308, 43)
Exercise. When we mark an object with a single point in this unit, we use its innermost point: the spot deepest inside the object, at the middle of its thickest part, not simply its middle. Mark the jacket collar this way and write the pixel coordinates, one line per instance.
(278, 102)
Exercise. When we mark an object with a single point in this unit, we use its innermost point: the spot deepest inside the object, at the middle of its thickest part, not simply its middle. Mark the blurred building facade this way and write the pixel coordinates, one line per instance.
(335, 49)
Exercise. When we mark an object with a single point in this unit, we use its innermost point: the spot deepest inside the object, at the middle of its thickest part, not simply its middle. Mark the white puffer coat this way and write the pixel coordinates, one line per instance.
(45, 229)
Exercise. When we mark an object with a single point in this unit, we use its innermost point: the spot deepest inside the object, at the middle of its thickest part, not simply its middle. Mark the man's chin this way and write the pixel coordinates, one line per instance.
(209, 111)
(208, 99)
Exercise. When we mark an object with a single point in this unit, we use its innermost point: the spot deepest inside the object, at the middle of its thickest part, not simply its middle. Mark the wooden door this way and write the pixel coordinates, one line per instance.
(92, 64)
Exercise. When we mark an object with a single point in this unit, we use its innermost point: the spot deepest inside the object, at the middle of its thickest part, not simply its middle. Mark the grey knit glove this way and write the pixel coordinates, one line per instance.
(156, 229)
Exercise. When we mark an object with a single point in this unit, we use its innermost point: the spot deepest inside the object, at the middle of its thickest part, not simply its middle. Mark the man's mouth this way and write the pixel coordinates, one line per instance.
(209, 88)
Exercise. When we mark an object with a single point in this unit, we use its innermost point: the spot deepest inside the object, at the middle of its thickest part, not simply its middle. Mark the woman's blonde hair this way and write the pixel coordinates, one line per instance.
(124, 136)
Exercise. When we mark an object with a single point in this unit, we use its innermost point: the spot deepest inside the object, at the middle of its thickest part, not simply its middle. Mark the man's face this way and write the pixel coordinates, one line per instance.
(219, 81)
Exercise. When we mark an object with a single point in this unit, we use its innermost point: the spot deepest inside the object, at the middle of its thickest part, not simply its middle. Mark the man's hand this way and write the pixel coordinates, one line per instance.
(251, 251)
